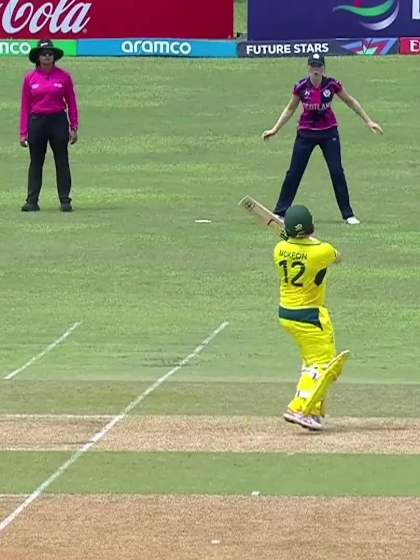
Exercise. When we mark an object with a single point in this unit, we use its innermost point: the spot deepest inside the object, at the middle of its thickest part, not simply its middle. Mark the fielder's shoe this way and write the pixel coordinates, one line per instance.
(30, 207)
(66, 207)
(352, 221)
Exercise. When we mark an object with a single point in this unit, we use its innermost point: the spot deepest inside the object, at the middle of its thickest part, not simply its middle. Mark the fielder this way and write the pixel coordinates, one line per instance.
(317, 127)
(302, 262)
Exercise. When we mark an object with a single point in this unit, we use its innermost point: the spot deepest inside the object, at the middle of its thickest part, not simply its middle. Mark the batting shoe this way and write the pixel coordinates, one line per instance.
(312, 423)
(292, 417)
(316, 424)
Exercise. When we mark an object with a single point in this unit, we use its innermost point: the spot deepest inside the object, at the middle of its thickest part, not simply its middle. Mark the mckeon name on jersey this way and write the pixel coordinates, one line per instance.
(302, 265)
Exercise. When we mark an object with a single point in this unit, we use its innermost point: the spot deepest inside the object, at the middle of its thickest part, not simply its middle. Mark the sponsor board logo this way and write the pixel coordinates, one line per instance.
(65, 16)
(377, 16)
(284, 48)
(157, 47)
(370, 47)
(410, 45)
(15, 48)
(10, 47)
(147, 47)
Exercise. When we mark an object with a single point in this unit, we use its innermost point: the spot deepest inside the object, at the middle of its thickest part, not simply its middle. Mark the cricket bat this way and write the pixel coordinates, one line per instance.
(262, 214)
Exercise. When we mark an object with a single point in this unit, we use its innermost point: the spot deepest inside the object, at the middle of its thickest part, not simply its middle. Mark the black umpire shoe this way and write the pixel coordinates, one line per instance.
(30, 207)
(66, 207)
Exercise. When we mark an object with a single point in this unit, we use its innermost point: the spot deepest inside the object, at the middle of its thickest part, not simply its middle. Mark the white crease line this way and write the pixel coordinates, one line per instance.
(100, 435)
(45, 351)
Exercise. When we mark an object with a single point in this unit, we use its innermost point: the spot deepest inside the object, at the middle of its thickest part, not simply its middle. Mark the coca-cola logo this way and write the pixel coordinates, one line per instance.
(66, 16)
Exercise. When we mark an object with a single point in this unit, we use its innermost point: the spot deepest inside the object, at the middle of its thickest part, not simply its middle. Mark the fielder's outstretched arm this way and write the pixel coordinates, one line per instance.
(286, 114)
(358, 109)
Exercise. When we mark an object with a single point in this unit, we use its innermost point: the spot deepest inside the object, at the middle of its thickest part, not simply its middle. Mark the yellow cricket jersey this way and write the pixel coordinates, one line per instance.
(302, 265)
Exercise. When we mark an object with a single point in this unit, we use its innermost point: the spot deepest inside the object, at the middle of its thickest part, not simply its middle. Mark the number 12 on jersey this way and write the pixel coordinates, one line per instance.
(292, 272)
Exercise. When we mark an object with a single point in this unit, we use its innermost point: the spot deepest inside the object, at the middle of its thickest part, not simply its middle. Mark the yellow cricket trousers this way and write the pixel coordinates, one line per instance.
(313, 334)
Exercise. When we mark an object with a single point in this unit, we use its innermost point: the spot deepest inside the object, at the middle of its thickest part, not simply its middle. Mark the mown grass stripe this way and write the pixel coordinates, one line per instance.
(231, 473)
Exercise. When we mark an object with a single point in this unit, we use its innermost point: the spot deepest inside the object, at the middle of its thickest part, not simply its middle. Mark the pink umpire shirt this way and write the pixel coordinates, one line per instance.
(47, 93)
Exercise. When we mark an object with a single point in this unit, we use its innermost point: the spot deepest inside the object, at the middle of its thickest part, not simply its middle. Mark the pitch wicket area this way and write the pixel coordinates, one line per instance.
(188, 455)
(218, 526)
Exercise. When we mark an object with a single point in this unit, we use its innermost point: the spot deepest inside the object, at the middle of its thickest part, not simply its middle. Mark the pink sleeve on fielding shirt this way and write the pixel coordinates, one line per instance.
(70, 98)
(298, 86)
(25, 107)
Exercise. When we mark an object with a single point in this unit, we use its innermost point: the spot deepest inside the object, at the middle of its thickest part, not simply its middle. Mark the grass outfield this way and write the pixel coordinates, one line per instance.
(175, 141)
(180, 141)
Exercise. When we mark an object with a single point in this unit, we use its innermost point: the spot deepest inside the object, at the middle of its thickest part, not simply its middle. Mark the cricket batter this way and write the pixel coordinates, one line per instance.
(302, 262)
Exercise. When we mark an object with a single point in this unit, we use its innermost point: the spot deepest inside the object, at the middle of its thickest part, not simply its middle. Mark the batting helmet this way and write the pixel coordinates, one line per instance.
(298, 221)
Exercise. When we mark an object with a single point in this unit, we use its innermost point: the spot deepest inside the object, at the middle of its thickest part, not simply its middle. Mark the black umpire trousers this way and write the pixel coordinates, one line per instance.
(302, 150)
(55, 130)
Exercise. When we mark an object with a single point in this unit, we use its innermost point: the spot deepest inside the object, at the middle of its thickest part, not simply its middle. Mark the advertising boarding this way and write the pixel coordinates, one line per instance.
(272, 20)
(93, 19)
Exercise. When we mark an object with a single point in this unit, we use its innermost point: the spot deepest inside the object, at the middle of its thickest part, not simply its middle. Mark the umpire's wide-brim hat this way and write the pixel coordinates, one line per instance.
(45, 45)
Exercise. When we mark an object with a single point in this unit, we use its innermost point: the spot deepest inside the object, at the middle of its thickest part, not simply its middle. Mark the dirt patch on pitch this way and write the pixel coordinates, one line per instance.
(213, 434)
(257, 434)
(8, 503)
(56, 433)
(214, 528)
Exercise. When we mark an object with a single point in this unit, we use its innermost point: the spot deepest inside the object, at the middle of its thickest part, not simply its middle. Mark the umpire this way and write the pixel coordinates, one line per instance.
(318, 127)
(48, 104)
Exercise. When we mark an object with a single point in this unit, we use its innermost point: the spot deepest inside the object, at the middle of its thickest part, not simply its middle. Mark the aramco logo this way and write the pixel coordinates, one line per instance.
(374, 16)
